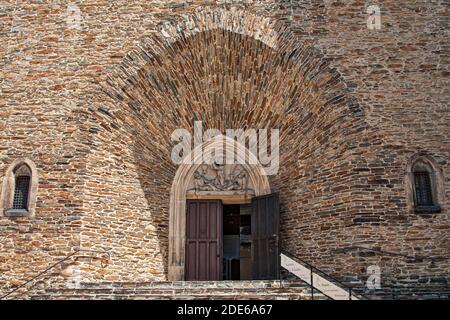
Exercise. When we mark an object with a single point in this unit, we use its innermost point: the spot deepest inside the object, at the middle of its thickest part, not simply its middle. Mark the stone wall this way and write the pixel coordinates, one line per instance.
(93, 105)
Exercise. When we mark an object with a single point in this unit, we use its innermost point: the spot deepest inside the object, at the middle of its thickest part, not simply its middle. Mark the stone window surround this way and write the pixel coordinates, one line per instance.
(8, 186)
(423, 162)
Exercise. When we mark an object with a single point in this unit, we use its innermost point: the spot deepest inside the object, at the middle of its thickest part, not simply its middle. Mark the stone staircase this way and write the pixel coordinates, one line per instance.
(320, 281)
(301, 281)
(183, 290)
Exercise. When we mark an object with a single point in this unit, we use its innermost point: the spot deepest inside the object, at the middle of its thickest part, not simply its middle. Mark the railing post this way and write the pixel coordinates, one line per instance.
(350, 293)
(312, 282)
(279, 270)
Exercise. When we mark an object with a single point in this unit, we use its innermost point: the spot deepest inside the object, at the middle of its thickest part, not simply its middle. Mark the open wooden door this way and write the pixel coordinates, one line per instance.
(265, 237)
(203, 240)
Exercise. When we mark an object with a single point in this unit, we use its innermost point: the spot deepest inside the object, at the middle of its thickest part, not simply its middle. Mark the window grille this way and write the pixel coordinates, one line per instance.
(422, 183)
(21, 192)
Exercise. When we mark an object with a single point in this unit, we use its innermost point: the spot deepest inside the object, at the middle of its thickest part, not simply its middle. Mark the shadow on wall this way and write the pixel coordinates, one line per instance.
(155, 175)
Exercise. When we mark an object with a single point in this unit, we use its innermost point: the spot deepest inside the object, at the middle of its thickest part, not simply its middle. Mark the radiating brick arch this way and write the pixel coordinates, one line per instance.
(231, 70)
(169, 32)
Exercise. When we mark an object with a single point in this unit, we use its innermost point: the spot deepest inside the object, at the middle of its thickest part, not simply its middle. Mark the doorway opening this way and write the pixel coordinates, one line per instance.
(237, 250)
(232, 241)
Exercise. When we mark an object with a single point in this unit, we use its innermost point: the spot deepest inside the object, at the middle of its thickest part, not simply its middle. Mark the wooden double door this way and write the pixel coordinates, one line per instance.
(204, 239)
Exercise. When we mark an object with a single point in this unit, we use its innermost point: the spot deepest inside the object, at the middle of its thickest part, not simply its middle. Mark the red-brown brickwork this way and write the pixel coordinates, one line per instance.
(94, 106)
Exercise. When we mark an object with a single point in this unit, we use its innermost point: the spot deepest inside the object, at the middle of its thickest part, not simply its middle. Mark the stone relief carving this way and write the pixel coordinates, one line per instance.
(218, 177)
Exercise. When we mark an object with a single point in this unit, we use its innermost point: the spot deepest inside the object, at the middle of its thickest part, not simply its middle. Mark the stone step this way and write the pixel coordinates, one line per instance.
(197, 284)
(261, 290)
(241, 296)
(178, 291)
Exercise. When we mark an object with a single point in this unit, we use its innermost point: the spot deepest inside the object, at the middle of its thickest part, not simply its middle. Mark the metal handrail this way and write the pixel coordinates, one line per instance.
(311, 284)
(391, 290)
(352, 289)
(50, 268)
(326, 275)
(311, 281)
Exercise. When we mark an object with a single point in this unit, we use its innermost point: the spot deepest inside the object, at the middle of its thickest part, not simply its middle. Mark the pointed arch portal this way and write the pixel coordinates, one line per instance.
(184, 178)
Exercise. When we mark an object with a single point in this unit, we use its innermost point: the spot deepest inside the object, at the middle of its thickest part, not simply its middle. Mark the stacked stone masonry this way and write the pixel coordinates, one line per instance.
(93, 106)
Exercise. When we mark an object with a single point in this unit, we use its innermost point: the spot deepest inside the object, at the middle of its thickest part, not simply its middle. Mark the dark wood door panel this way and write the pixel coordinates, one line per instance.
(265, 237)
(203, 240)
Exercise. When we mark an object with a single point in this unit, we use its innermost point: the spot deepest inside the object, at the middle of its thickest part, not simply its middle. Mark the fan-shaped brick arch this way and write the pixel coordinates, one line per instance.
(228, 69)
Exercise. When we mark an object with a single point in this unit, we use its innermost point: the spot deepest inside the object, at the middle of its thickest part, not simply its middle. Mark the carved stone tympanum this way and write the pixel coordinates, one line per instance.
(217, 177)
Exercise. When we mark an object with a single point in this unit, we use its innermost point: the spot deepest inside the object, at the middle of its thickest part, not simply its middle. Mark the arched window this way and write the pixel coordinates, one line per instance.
(18, 197)
(22, 184)
(424, 184)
